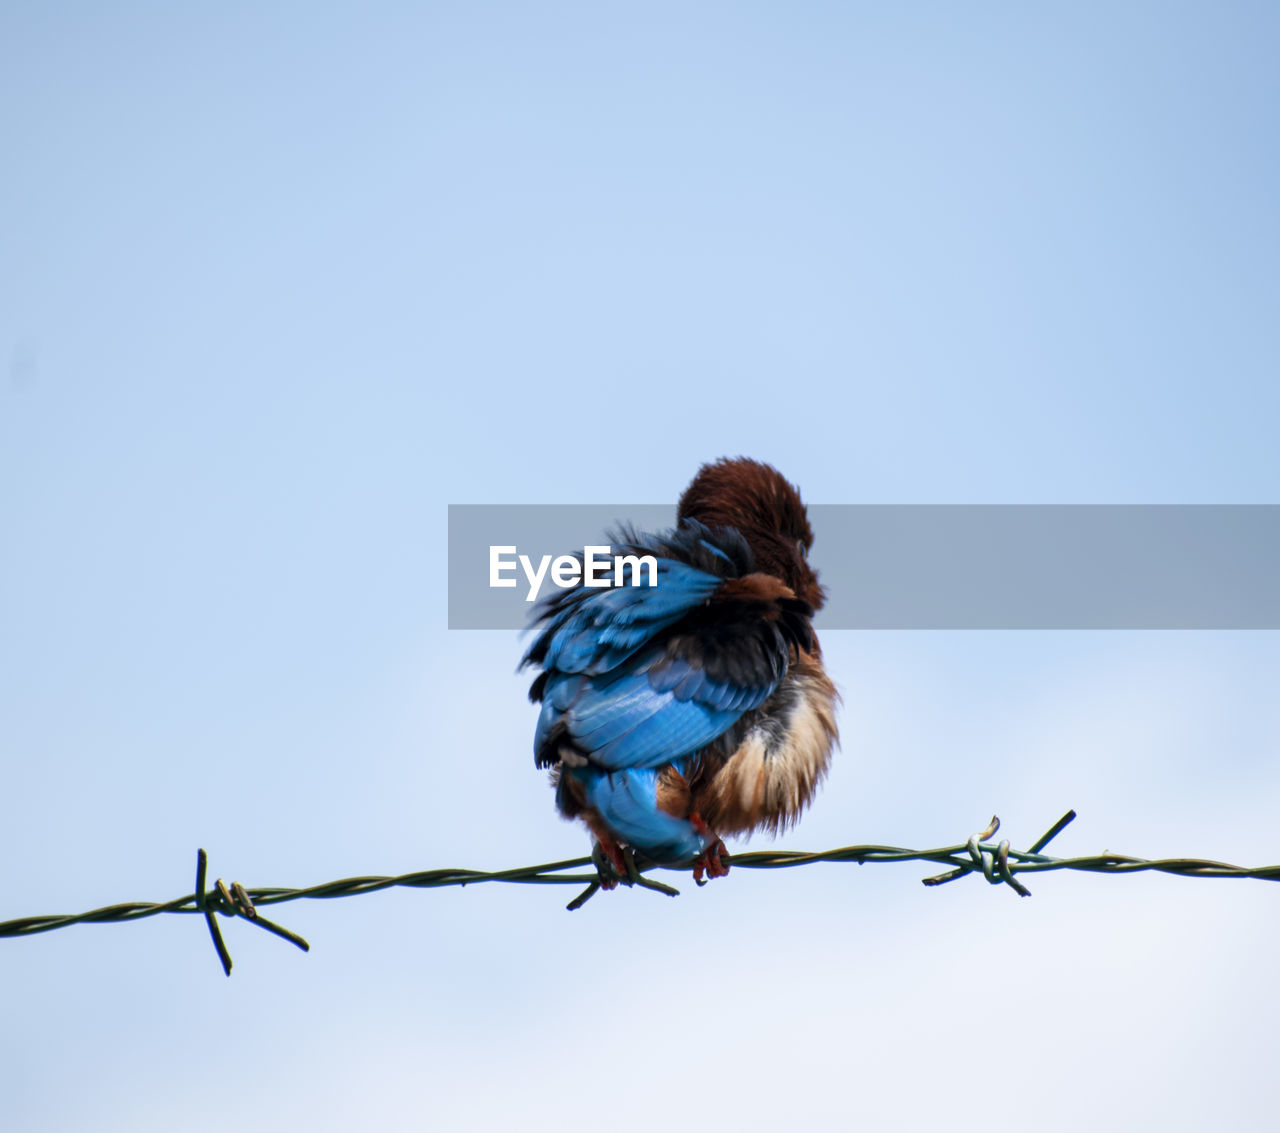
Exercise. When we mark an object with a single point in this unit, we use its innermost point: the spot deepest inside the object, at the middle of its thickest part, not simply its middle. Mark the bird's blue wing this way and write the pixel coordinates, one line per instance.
(635, 677)
(593, 630)
(633, 717)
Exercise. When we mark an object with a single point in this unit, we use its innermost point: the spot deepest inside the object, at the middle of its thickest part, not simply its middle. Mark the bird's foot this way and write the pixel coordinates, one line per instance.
(613, 864)
(714, 859)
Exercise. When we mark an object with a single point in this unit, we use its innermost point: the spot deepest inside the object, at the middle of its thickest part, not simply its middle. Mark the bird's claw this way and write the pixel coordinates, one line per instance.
(611, 862)
(713, 861)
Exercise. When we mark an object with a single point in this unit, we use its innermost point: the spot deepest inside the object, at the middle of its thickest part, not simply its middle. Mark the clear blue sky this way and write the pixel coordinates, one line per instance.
(279, 283)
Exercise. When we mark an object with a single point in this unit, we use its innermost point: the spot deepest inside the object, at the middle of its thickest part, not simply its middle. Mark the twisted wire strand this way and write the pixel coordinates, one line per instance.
(999, 864)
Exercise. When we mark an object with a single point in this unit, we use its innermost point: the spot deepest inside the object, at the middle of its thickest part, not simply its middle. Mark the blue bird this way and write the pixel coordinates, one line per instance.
(675, 714)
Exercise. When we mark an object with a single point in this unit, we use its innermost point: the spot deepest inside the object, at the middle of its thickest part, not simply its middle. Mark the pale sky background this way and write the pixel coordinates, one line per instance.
(278, 283)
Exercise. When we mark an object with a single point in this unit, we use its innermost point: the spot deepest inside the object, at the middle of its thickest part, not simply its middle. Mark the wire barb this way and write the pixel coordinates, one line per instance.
(232, 902)
(1053, 831)
(202, 903)
(998, 870)
(608, 876)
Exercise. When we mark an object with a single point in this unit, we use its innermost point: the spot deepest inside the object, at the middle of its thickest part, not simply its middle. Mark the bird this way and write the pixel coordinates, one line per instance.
(676, 714)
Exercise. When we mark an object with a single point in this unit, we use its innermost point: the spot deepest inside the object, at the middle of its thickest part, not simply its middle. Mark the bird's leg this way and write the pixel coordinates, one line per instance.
(714, 860)
(612, 863)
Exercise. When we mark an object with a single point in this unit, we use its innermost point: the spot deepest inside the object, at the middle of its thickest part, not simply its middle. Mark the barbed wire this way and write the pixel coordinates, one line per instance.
(999, 864)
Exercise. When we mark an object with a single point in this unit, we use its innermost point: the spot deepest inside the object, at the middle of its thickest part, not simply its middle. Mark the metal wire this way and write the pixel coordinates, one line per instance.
(999, 864)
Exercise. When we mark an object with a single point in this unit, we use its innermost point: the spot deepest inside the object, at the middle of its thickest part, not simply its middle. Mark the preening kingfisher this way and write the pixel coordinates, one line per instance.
(676, 714)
